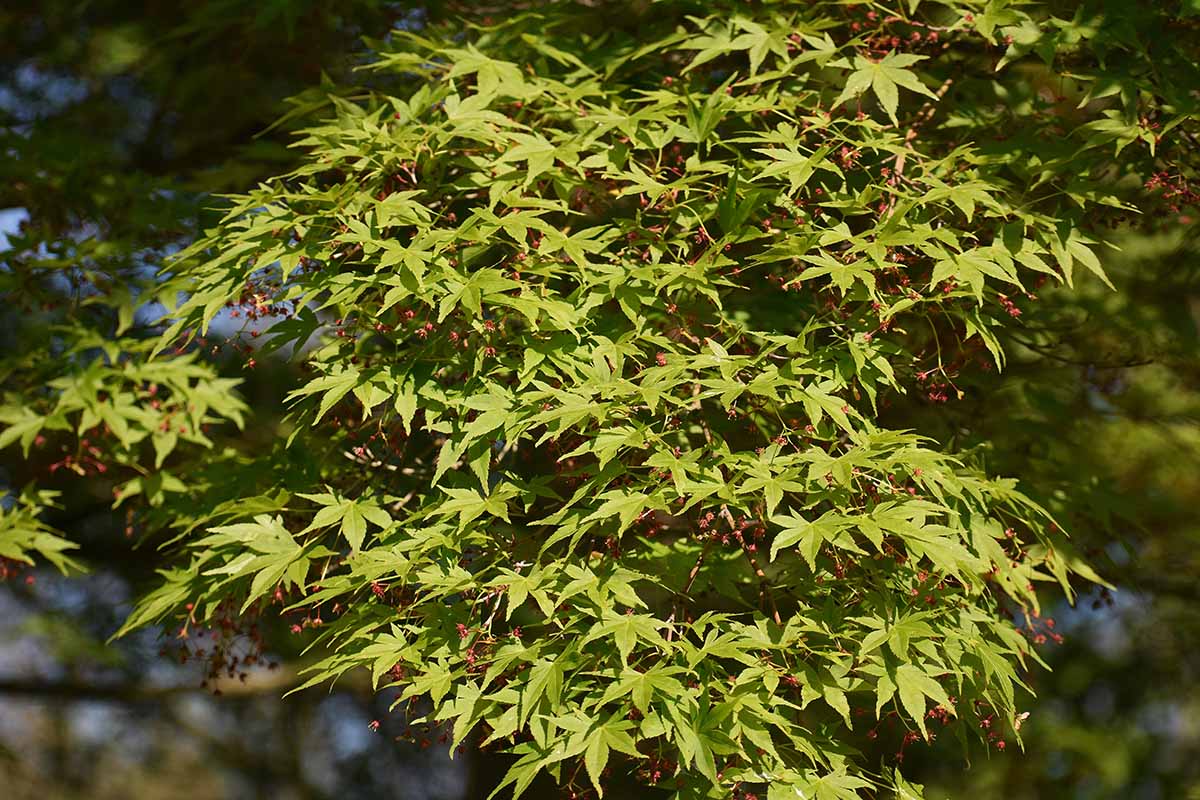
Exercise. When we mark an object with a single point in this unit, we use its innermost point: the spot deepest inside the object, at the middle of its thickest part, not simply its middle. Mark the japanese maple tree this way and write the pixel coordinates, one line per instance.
(604, 314)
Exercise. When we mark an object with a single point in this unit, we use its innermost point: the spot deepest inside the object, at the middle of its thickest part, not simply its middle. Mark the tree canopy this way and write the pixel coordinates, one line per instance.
(649, 369)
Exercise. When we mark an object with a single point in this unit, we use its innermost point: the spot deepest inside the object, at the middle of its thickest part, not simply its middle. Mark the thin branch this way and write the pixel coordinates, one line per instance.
(765, 597)
(258, 682)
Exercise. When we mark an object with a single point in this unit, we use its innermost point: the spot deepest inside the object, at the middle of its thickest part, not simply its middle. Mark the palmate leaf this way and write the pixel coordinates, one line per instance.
(350, 515)
(601, 741)
(24, 536)
(332, 388)
(884, 77)
(914, 685)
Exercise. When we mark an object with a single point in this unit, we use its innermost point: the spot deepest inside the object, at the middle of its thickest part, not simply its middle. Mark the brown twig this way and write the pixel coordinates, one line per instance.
(765, 597)
(687, 587)
(923, 116)
(259, 682)
(696, 406)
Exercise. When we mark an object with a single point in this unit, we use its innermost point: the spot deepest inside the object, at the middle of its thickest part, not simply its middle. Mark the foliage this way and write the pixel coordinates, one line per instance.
(1105, 409)
(602, 312)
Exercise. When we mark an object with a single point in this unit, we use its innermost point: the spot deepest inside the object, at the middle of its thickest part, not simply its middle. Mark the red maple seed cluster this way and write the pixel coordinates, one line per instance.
(226, 646)
(1040, 630)
(1175, 192)
(888, 33)
(11, 569)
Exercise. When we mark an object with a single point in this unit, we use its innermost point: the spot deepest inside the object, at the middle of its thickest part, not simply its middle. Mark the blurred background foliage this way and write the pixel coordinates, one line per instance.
(119, 119)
